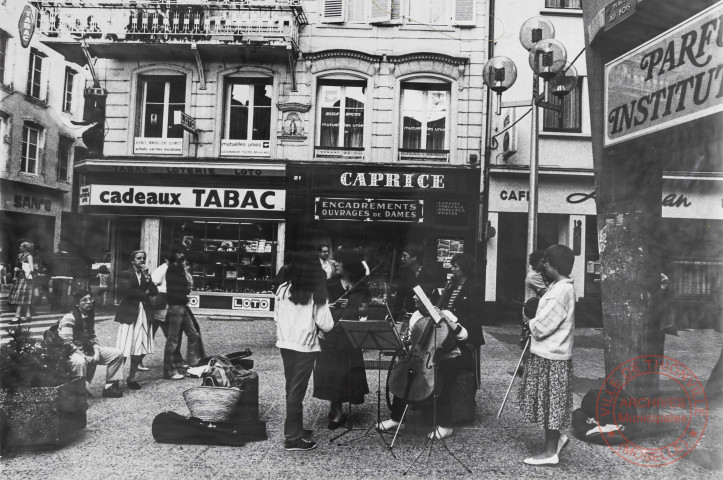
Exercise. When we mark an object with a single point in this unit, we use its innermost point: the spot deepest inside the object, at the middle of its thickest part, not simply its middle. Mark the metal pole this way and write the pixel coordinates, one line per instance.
(534, 163)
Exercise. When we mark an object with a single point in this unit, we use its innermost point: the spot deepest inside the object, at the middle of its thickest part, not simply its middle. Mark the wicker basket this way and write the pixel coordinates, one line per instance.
(212, 404)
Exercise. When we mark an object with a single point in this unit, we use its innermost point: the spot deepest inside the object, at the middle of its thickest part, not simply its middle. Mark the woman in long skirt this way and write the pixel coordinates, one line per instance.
(135, 336)
(546, 392)
(21, 291)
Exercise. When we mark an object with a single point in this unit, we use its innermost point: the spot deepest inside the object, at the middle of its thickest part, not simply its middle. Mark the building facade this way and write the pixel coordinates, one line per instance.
(245, 129)
(40, 95)
(692, 219)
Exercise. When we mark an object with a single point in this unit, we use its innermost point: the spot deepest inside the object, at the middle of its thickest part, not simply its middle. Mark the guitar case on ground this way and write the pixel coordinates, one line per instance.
(170, 427)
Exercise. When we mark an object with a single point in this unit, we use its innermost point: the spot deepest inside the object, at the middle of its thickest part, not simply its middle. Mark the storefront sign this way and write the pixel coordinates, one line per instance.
(246, 148)
(26, 26)
(392, 180)
(578, 198)
(32, 203)
(158, 146)
(674, 78)
(183, 197)
(617, 11)
(250, 303)
(451, 212)
(205, 168)
(369, 209)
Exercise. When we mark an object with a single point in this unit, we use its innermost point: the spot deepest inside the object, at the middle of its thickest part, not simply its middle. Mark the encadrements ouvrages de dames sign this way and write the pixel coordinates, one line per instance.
(369, 209)
(672, 79)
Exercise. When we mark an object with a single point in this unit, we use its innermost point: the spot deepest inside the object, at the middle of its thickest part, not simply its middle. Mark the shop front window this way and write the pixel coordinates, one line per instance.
(226, 256)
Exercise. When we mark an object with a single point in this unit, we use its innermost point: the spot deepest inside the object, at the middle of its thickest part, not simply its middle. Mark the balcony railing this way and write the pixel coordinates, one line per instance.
(247, 21)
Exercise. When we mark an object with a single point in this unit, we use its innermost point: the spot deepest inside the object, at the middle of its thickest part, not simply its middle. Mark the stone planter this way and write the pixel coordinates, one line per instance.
(43, 416)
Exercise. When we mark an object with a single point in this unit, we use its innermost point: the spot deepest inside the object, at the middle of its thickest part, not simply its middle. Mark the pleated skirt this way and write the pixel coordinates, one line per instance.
(135, 338)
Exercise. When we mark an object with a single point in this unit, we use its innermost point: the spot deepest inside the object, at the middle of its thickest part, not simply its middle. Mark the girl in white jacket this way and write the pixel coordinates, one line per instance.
(301, 311)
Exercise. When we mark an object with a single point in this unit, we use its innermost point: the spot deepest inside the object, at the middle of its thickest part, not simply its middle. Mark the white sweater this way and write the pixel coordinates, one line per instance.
(297, 326)
(553, 327)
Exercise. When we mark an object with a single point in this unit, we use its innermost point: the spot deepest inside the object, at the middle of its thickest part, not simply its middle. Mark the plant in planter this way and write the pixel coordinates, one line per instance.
(42, 403)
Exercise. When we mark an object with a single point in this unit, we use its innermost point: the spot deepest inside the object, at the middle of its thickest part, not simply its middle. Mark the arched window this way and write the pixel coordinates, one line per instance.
(340, 117)
(425, 122)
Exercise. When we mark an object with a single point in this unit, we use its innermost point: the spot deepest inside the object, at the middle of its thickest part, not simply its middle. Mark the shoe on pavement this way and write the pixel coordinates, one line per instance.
(300, 445)
(307, 434)
(141, 368)
(440, 432)
(553, 460)
(177, 376)
(562, 442)
(113, 391)
(133, 385)
(388, 425)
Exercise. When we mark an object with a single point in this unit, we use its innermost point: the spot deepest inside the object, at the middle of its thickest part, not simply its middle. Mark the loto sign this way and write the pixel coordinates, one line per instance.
(672, 79)
(26, 25)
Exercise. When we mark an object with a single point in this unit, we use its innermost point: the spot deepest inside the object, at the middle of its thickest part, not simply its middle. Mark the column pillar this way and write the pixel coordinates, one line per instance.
(151, 241)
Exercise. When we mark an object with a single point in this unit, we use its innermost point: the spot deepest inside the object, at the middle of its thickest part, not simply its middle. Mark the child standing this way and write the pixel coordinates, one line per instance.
(546, 393)
(103, 283)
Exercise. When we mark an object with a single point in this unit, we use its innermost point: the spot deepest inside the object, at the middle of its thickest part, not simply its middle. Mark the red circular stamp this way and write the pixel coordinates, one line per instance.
(660, 427)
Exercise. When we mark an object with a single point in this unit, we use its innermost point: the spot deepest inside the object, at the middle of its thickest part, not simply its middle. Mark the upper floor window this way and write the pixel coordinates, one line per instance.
(392, 12)
(247, 117)
(341, 114)
(65, 147)
(35, 72)
(30, 148)
(429, 12)
(68, 89)
(3, 55)
(570, 118)
(161, 98)
(425, 117)
(563, 4)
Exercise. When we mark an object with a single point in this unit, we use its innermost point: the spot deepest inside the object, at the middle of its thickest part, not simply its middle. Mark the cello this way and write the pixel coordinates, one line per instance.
(412, 378)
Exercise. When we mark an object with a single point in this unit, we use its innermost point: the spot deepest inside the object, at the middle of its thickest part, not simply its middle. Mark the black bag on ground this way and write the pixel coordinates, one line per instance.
(170, 427)
(51, 335)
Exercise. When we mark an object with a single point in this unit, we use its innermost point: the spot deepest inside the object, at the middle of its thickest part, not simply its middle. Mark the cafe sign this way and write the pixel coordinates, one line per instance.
(670, 80)
(369, 209)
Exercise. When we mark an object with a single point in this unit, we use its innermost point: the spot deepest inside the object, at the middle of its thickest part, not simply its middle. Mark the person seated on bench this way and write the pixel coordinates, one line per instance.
(448, 370)
(78, 329)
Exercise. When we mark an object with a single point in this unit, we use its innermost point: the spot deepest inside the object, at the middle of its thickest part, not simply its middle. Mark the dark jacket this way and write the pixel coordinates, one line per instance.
(177, 285)
(132, 295)
(467, 307)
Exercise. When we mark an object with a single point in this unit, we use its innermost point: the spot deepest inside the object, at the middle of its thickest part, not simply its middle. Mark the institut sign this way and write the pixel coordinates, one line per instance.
(672, 79)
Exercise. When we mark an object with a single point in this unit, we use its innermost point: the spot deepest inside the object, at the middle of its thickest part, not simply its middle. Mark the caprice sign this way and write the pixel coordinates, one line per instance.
(183, 197)
(672, 79)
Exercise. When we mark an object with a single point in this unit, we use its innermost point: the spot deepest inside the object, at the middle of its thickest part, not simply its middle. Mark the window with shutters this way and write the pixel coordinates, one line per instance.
(65, 149)
(425, 121)
(35, 73)
(570, 118)
(576, 4)
(429, 12)
(247, 117)
(341, 116)
(68, 89)
(394, 12)
(30, 149)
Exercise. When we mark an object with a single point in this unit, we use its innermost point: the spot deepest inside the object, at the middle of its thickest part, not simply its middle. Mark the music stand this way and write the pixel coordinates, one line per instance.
(377, 335)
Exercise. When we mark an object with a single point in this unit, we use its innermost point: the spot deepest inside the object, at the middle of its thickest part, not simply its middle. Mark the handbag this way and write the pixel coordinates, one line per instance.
(27, 270)
(158, 302)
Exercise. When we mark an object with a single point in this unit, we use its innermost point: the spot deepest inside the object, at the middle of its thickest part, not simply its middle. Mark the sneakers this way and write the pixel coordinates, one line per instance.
(176, 376)
(387, 425)
(113, 391)
(440, 432)
(300, 445)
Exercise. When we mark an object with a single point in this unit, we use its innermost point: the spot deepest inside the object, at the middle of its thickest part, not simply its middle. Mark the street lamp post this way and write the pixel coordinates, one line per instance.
(547, 59)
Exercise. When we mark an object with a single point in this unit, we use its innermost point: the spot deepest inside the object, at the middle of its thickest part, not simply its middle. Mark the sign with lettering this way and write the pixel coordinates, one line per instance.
(369, 209)
(158, 146)
(617, 11)
(245, 148)
(668, 81)
(26, 25)
(194, 169)
(186, 121)
(392, 180)
(32, 203)
(183, 197)
(451, 212)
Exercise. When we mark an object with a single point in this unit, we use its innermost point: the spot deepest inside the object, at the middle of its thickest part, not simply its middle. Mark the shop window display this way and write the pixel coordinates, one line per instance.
(226, 256)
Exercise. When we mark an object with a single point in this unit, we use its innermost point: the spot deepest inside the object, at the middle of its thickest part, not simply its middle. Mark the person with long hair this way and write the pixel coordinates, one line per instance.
(21, 291)
(301, 311)
(339, 375)
(135, 336)
(545, 395)
(78, 329)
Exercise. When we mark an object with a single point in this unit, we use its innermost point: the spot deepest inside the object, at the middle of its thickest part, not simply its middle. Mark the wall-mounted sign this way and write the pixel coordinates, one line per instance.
(672, 79)
(451, 212)
(617, 11)
(245, 148)
(26, 25)
(250, 303)
(195, 169)
(392, 180)
(368, 209)
(186, 122)
(158, 146)
(183, 197)
(32, 203)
